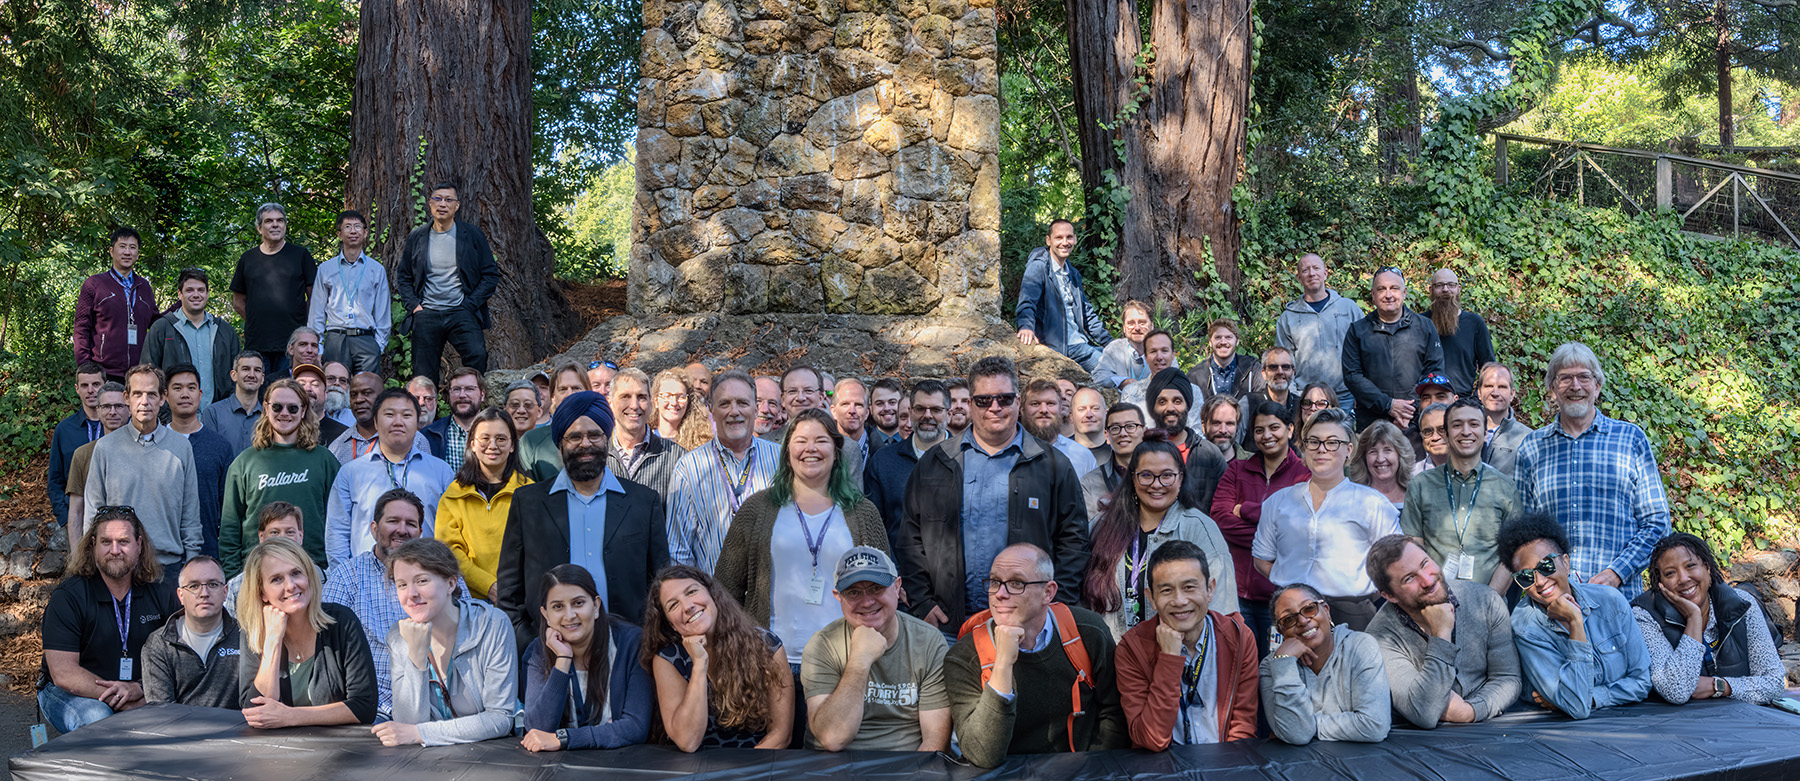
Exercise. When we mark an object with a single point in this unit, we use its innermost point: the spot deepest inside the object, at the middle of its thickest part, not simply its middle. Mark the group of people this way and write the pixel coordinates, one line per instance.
(981, 564)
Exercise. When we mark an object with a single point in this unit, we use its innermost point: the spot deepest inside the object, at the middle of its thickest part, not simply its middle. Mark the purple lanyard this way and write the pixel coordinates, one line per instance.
(124, 623)
(805, 528)
(735, 492)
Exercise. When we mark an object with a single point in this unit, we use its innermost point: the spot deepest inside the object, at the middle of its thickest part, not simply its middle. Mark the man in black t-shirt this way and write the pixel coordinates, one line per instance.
(98, 620)
(270, 288)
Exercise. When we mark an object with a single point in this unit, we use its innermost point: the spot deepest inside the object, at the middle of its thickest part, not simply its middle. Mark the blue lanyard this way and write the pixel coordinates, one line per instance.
(1463, 524)
(736, 492)
(813, 546)
(124, 620)
(129, 282)
(350, 292)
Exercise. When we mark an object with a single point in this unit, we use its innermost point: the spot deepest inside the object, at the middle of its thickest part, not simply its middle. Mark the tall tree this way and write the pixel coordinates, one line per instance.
(1712, 38)
(443, 93)
(1182, 134)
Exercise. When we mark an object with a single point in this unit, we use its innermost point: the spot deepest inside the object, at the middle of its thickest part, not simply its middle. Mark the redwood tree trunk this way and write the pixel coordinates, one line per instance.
(443, 93)
(1103, 44)
(1186, 152)
(1722, 63)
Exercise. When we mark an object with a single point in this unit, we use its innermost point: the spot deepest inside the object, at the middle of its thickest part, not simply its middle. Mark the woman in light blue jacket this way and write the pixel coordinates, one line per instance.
(455, 667)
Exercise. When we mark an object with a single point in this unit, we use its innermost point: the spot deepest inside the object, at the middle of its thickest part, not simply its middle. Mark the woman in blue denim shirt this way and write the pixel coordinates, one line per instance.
(1578, 643)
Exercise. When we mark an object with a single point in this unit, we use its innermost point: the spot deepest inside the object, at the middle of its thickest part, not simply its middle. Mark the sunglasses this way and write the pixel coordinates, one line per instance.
(990, 400)
(291, 409)
(1525, 577)
(608, 364)
(1309, 610)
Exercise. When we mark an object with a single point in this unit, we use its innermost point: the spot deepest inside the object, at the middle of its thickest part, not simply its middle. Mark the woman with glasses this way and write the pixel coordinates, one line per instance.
(1318, 532)
(583, 686)
(721, 680)
(304, 662)
(1152, 507)
(681, 415)
(1578, 648)
(454, 663)
(471, 518)
(1706, 639)
(1382, 461)
(286, 462)
(785, 540)
(1324, 681)
(1316, 398)
(1238, 501)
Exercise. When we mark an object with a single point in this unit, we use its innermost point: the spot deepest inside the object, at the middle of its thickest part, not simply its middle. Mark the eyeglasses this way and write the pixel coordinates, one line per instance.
(291, 409)
(1314, 404)
(800, 392)
(1012, 586)
(608, 364)
(203, 587)
(443, 199)
(1279, 367)
(1149, 478)
(573, 438)
(1309, 610)
(1582, 378)
(670, 396)
(924, 410)
(1327, 445)
(1526, 577)
(990, 400)
(1123, 428)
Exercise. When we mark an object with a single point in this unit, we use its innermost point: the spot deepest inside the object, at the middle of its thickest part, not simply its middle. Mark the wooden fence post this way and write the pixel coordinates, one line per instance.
(1665, 184)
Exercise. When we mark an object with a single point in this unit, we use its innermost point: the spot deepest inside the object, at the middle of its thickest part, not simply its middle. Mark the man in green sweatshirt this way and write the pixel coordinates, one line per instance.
(286, 462)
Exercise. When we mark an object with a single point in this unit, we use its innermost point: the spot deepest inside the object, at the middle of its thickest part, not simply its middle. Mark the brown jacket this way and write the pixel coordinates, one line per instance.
(745, 567)
(1150, 683)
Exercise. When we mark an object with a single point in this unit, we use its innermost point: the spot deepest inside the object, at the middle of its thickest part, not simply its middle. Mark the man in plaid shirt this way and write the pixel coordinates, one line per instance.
(1596, 475)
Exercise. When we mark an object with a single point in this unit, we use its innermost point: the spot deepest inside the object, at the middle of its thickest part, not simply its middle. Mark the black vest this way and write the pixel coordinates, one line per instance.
(1732, 659)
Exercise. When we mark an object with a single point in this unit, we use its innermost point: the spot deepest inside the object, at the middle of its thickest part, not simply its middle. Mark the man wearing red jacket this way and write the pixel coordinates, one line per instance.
(114, 311)
(1190, 676)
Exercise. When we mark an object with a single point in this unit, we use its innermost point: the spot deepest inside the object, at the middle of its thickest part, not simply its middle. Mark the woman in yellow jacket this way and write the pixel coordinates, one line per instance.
(471, 518)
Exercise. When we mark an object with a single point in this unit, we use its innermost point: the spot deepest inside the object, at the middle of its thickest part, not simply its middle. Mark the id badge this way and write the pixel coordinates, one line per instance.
(131, 334)
(126, 668)
(1465, 566)
(815, 591)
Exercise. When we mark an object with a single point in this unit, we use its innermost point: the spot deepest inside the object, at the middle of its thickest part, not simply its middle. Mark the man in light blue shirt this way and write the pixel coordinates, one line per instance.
(397, 462)
(351, 304)
(1579, 645)
(587, 517)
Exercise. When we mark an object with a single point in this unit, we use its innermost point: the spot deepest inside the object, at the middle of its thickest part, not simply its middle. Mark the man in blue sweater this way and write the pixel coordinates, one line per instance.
(79, 428)
(1053, 310)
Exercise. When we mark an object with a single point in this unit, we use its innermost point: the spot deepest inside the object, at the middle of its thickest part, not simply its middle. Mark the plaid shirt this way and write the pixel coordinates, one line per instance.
(456, 444)
(361, 584)
(1605, 488)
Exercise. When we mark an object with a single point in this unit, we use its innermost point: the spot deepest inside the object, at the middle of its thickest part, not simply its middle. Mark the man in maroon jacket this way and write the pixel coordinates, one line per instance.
(114, 310)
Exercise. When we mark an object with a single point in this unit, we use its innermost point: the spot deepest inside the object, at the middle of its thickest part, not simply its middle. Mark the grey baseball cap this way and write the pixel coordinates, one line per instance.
(863, 563)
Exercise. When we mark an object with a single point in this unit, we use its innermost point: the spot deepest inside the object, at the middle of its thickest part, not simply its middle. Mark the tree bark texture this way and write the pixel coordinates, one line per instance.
(1399, 134)
(443, 93)
(1722, 64)
(1103, 44)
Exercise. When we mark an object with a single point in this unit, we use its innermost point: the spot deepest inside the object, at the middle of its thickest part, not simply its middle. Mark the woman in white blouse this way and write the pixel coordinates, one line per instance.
(1319, 531)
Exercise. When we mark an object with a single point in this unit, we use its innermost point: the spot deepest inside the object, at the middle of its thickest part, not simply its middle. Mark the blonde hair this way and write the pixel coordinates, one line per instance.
(306, 437)
(696, 426)
(250, 597)
(1377, 433)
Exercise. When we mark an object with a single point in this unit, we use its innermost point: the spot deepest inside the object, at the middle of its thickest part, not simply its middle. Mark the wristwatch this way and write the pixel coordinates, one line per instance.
(562, 737)
(1720, 688)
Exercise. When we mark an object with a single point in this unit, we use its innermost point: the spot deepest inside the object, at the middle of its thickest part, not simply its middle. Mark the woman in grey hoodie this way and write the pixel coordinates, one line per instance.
(455, 667)
(1323, 681)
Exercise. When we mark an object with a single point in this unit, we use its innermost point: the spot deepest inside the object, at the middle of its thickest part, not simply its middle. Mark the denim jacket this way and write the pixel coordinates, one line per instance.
(1611, 668)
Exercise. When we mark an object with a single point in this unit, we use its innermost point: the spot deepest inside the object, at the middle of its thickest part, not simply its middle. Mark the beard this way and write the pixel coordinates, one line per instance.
(336, 400)
(1577, 409)
(117, 569)
(1173, 420)
(1048, 431)
(1445, 311)
(583, 471)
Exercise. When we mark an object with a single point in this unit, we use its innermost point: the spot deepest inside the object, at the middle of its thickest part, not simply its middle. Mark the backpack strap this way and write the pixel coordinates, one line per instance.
(1068, 634)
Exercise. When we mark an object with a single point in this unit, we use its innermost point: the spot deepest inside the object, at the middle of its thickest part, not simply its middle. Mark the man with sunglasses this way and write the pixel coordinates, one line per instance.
(1278, 381)
(193, 659)
(1386, 352)
(1324, 681)
(972, 496)
(1447, 643)
(445, 276)
(1455, 509)
(885, 476)
(1579, 644)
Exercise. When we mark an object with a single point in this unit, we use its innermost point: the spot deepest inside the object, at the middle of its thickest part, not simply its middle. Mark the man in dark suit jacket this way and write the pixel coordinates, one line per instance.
(586, 516)
(445, 277)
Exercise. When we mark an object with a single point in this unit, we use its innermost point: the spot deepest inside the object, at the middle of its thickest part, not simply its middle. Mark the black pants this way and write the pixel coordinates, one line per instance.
(432, 329)
(1356, 612)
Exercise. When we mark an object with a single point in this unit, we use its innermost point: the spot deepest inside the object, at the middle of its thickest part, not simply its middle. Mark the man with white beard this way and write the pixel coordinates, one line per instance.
(337, 393)
(1594, 474)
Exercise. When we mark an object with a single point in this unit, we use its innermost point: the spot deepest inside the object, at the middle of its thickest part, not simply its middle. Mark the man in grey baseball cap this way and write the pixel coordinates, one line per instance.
(874, 679)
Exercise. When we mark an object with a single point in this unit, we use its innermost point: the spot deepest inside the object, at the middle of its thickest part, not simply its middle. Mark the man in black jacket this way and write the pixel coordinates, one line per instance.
(1386, 353)
(972, 495)
(585, 516)
(193, 659)
(1170, 395)
(190, 332)
(445, 277)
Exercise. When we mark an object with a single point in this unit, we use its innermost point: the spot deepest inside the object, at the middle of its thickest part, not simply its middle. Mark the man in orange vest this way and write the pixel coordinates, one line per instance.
(1031, 675)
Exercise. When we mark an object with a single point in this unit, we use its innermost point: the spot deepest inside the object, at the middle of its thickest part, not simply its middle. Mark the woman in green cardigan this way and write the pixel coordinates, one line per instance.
(785, 541)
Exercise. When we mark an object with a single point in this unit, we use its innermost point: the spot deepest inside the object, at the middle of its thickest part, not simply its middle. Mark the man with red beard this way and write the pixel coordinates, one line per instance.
(449, 437)
(1467, 344)
(586, 516)
(91, 667)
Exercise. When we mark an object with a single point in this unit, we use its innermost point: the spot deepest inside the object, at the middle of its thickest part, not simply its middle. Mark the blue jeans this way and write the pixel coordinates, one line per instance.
(1083, 354)
(68, 712)
(1257, 615)
(1347, 401)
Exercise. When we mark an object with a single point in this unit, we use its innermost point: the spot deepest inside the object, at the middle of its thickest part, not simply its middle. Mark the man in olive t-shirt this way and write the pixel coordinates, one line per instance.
(874, 679)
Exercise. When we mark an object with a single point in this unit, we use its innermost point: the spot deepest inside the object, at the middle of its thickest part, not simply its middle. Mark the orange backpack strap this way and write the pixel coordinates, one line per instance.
(1068, 634)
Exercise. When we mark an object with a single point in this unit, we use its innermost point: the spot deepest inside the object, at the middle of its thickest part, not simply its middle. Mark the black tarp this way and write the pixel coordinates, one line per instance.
(1710, 740)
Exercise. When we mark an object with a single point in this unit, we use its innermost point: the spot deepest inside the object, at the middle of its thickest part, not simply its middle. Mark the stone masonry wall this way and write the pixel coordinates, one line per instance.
(817, 156)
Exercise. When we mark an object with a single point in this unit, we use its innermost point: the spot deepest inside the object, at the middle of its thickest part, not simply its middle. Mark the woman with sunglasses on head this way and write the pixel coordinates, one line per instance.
(1237, 505)
(1318, 532)
(721, 680)
(453, 660)
(1706, 639)
(1323, 681)
(1578, 648)
(1154, 506)
(583, 685)
(286, 462)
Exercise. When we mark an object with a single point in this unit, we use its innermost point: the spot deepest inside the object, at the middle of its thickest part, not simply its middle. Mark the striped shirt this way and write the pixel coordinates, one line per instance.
(1605, 488)
(704, 493)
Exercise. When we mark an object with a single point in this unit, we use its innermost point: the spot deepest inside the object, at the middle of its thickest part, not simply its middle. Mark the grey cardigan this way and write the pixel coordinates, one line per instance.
(1482, 664)
(1181, 523)
(746, 567)
(484, 679)
(1346, 700)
